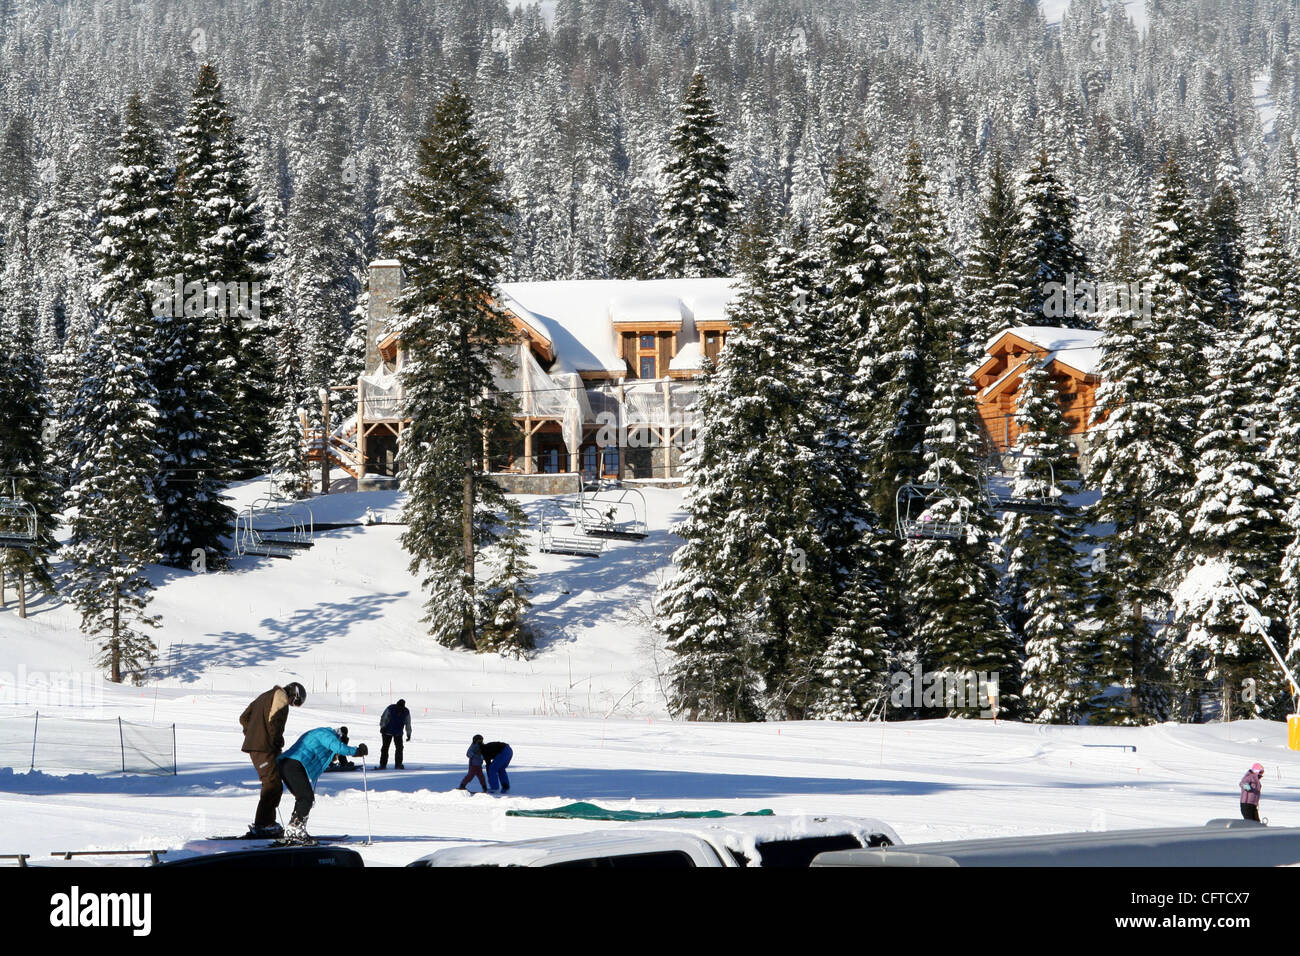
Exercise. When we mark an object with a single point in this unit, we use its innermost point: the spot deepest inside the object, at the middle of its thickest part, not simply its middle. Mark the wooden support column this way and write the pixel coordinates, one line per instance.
(529, 467)
(325, 441)
(361, 430)
(668, 430)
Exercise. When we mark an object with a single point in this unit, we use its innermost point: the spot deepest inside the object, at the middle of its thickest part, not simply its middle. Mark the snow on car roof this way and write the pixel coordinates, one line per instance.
(528, 852)
(745, 834)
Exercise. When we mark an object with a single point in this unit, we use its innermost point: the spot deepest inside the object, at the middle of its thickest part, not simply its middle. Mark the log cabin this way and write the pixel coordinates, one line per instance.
(1072, 357)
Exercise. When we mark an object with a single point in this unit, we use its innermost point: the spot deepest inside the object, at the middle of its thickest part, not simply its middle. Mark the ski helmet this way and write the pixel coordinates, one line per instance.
(478, 738)
(297, 693)
(1257, 767)
(343, 734)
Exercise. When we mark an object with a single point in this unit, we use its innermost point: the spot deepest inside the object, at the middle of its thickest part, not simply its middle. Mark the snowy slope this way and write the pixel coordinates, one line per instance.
(584, 715)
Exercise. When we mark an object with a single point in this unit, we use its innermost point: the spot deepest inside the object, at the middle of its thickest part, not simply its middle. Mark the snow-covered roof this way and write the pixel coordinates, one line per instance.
(578, 316)
(689, 358)
(1077, 348)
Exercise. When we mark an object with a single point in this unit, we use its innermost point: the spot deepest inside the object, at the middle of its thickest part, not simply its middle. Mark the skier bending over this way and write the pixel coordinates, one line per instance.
(302, 764)
(263, 721)
(497, 755)
(475, 755)
(1250, 791)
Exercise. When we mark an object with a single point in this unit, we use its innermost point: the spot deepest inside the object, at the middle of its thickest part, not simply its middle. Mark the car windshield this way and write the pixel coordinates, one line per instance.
(797, 853)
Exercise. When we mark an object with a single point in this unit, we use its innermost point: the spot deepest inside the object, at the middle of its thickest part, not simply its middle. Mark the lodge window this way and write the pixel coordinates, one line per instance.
(647, 362)
(611, 460)
(551, 461)
(590, 462)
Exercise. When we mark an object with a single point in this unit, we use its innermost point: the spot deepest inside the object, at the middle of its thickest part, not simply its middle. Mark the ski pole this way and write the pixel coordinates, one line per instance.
(365, 788)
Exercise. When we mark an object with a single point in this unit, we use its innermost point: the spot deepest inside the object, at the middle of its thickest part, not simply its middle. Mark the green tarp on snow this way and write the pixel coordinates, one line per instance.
(589, 811)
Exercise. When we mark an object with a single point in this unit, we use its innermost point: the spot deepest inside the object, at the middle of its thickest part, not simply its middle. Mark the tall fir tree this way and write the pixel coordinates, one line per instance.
(221, 245)
(951, 588)
(1049, 254)
(995, 298)
(769, 533)
(1235, 543)
(915, 304)
(451, 240)
(1048, 589)
(114, 452)
(1143, 461)
(691, 237)
(24, 465)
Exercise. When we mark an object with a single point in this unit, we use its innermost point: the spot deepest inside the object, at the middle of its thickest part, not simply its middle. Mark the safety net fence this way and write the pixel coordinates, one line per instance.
(44, 742)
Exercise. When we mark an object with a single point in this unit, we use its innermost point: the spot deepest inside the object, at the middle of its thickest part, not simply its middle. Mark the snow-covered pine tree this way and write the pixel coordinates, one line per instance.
(23, 454)
(504, 594)
(1049, 254)
(766, 544)
(1142, 462)
(1047, 587)
(951, 587)
(995, 297)
(917, 299)
(114, 451)
(691, 237)
(1235, 543)
(1271, 320)
(853, 230)
(451, 240)
(322, 276)
(190, 485)
(221, 243)
(1222, 256)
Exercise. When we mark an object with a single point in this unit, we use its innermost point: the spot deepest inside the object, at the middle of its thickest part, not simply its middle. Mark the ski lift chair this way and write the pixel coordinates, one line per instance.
(1001, 496)
(612, 511)
(924, 513)
(17, 520)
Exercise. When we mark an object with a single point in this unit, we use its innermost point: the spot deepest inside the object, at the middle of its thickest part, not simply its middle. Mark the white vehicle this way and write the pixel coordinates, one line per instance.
(772, 841)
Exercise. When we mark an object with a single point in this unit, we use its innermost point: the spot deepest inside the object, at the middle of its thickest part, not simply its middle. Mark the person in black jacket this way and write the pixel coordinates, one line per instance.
(497, 755)
(392, 722)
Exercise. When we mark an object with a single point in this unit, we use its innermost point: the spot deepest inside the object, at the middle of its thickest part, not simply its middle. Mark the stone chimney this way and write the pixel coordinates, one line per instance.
(385, 284)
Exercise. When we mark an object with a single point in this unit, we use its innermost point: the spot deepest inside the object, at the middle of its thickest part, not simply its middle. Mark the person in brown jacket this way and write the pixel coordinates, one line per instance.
(263, 722)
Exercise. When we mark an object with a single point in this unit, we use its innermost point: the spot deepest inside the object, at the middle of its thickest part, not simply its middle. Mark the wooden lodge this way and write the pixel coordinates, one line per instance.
(603, 375)
(1072, 358)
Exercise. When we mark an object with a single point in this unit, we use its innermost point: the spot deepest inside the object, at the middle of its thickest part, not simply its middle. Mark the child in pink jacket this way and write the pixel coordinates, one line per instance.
(1250, 790)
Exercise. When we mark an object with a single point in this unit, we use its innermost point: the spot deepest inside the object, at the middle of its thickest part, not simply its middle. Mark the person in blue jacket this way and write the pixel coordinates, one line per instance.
(302, 764)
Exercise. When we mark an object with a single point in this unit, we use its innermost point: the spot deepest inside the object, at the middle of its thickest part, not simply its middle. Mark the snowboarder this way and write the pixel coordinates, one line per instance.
(263, 721)
(341, 761)
(392, 722)
(302, 764)
(497, 755)
(475, 755)
(1250, 790)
